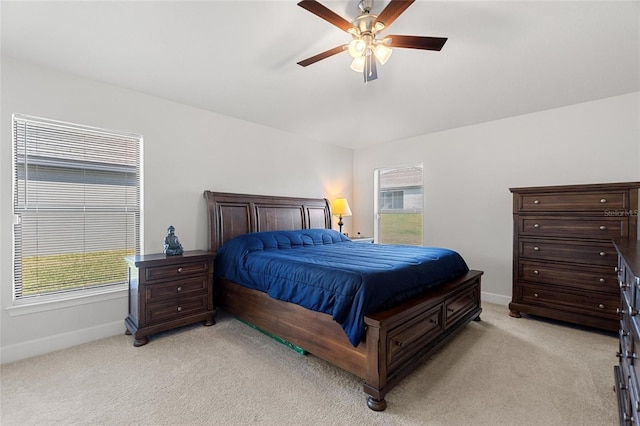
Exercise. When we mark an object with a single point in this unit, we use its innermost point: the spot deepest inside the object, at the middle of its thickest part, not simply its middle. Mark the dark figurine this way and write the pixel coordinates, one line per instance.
(172, 246)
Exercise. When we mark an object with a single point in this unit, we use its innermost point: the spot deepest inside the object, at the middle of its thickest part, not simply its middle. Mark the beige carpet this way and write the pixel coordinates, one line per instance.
(501, 371)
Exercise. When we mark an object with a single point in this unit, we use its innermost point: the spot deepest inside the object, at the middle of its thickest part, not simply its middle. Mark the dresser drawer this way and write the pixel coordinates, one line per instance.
(576, 201)
(634, 396)
(407, 339)
(156, 273)
(599, 305)
(590, 253)
(184, 288)
(602, 278)
(175, 309)
(580, 227)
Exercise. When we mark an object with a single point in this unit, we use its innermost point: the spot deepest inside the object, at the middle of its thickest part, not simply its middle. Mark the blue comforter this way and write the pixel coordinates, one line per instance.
(322, 270)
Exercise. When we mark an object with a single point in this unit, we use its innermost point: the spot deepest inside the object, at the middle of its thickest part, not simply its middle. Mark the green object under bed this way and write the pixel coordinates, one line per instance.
(276, 338)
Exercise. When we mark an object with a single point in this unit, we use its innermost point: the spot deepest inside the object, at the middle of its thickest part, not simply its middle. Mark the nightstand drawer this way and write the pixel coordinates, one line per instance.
(174, 309)
(175, 271)
(172, 290)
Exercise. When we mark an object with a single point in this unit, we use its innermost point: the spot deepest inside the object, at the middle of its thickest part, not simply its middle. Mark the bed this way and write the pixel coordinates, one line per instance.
(395, 340)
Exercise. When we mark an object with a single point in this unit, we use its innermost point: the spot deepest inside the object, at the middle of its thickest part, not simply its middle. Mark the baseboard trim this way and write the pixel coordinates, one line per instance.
(498, 299)
(48, 344)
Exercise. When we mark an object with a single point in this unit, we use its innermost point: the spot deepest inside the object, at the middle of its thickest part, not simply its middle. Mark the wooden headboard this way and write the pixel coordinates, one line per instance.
(231, 215)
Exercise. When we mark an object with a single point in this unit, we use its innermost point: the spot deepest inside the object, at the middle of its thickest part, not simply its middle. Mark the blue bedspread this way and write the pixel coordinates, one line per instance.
(322, 270)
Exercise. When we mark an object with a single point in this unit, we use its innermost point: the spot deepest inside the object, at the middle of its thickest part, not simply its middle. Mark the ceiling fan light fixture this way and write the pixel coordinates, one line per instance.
(358, 64)
(382, 52)
(357, 47)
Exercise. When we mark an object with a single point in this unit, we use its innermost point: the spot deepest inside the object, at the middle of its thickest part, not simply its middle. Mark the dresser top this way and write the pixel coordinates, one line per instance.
(161, 258)
(630, 250)
(578, 188)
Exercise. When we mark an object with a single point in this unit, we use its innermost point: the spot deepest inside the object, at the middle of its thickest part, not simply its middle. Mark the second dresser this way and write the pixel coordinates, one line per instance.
(564, 263)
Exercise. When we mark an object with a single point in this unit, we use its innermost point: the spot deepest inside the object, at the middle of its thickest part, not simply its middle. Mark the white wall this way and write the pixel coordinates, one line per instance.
(186, 150)
(468, 172)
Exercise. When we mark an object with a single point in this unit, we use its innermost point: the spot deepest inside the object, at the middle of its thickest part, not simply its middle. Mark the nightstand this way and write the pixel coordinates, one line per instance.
(166, 292)
(362, 240)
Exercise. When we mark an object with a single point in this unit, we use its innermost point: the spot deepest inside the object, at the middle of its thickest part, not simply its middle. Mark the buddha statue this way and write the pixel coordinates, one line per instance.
(172, 246)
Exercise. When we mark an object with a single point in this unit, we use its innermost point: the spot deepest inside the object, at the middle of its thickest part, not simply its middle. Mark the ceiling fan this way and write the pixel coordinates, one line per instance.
(367, 44)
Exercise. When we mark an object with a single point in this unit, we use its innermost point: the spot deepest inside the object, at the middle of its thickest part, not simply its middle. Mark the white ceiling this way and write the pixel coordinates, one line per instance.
(238, 58)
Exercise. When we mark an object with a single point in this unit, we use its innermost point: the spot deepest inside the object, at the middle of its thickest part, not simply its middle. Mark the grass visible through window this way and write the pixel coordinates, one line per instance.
(47, 274)
(401, 228)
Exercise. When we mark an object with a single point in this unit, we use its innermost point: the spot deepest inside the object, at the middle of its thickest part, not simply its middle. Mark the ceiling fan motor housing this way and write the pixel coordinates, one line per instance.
(365, 6)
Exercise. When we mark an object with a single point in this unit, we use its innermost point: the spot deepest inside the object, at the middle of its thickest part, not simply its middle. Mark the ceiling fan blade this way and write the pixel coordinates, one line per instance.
(392, 11)
(326, 14)
(370, 72)
(321, 56)
(417, 42)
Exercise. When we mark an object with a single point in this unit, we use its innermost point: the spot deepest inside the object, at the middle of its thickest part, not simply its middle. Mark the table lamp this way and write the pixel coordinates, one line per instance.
(340, 207)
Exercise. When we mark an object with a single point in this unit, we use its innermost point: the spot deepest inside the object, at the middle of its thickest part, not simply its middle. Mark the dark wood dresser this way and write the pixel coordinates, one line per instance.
(166, 292)
(563, 258)
(626, 372)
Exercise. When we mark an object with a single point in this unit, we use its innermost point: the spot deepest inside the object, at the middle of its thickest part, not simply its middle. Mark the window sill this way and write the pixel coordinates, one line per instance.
(50, 303)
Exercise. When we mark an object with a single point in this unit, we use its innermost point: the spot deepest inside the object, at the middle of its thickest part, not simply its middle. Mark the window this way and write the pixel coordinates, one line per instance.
(77, 206)
(399, 204)
(391, 200)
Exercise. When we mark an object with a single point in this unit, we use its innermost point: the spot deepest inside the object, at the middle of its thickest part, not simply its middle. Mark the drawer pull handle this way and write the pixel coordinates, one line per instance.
(601, 306)
(179, 309)
(632, 311)
(179, 288)
(433, 321)
(602, 280)
(450, 310)
(603, 200)
(179, 270)
(535, 271)
(398, 343)
(623, 284)
(536, 295)
(620, 311)
(535, 225)
(536, 201)
(603, 253)
(603, 228)
(536, 248)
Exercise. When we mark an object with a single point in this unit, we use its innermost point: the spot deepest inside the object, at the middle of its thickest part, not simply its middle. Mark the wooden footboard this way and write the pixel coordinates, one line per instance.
(396, 342)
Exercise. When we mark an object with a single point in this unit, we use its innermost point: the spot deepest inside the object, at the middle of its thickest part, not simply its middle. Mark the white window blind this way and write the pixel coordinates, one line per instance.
(77, 201)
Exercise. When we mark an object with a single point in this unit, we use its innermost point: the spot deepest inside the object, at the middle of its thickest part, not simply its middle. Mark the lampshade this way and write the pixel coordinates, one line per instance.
(383, 53)
(358, 64)
(357, 48)
(340, 207)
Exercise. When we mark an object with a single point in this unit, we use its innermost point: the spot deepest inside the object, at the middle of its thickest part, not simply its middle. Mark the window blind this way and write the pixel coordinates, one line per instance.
(77, 201)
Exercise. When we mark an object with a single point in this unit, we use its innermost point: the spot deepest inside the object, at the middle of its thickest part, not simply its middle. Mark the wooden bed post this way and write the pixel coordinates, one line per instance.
(376, 374)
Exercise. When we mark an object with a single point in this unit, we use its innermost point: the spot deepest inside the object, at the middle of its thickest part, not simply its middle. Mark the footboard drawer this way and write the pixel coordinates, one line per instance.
(407, 339)
(461, 305)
